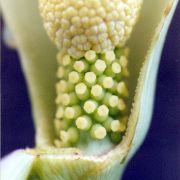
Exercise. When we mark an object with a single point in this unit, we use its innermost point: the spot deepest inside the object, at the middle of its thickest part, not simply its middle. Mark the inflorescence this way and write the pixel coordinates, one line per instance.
(92, 90)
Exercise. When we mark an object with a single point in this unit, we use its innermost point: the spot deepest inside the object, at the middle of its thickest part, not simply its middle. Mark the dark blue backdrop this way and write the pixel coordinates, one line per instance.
(158, 158)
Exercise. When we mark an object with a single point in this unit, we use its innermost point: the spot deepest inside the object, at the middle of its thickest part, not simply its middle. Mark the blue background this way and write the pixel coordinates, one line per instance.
(159, 156)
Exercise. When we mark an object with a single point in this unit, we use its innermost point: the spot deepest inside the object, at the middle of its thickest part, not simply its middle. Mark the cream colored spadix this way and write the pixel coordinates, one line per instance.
(89, 25)
(35, 50)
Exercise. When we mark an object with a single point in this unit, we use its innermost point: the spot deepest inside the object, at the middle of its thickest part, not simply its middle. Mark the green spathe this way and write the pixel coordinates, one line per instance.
(36, 50)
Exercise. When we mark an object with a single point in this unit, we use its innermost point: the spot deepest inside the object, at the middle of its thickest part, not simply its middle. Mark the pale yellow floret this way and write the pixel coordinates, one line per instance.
(82, 91)
(116, 68)
(64, 136)
(117, 126)
(90, 78)
(121, 105)
(109, 56)
(83, 122)
(60, 112)
(123, 61)
(96, 90)
(122, 89)
(103, 111)
(100, 65)
(61, 86)
(66, 60)
(108, 82)
(69, 113)
(98, 131)
(90, 56)
(113, 101)
(80, 88)
(72, 112)
(78, 26)
(74, 77)
(79, 66)
(65, 99)
(90, 106)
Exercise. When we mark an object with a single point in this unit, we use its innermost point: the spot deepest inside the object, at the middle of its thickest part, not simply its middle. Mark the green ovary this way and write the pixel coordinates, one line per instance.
(92, 97)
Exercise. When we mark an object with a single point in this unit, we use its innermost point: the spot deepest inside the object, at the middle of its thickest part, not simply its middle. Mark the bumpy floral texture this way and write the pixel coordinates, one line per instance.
(92, 97)
(77, 26)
